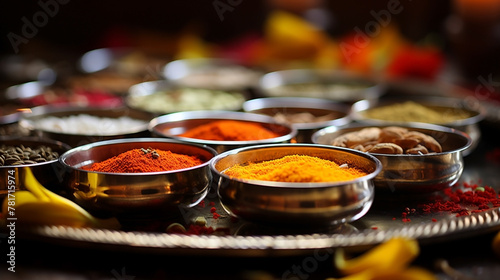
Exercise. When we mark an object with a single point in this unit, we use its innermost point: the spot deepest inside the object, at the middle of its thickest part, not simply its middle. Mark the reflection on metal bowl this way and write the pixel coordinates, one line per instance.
(171, 125)
(413, 173)
(136, 193)
(316, 204)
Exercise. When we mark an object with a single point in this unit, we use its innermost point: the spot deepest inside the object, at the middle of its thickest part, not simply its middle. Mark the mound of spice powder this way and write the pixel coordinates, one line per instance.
(145, 160)
(295, 168)
(230, 130)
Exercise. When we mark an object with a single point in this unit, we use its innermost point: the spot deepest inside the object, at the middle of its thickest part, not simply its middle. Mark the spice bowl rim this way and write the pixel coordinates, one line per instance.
(209, 115)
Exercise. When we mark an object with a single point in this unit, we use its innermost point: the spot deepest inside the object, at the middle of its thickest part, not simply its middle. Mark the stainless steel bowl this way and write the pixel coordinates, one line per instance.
(295, 204)
(164, 96)
(29, 121)
(320, 83)
(316, 107)
(171, 125)
(405, 173)
(49, 173)
(211, 73)
(153, 193)
(444, 105)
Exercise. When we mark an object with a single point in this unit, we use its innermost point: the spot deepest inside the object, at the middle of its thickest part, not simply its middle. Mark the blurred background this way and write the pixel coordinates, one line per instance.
(455, 41)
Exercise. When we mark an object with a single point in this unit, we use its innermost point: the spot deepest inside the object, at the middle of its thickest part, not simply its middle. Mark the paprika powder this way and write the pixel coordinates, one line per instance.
(230, 130)
(145, 160)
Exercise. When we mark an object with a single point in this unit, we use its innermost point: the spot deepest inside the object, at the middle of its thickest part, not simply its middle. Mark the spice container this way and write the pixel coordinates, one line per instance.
(307, 115)
(242, 128)
(133, 193)
(41, 155)
(309, 204)
(76, 125)
(211, 73)
(444, 111)
(162, 97)
(413, 173)
(320, 83)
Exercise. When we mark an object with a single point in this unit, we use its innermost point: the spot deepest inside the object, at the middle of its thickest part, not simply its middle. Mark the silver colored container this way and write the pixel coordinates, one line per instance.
(171, 125)
(315, 107)
(320, 83)
(410, 173)
(444, 105)
(29, 120)
(317, 204)
(152, 193)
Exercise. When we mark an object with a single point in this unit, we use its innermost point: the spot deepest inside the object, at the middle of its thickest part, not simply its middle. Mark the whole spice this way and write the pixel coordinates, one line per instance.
(230, 130)
(295, 168)
(388, 140)
(21, 155)
(145, 160)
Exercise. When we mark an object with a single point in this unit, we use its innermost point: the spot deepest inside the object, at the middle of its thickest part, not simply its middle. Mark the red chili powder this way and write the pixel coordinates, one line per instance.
(141, 161)
(461, 202)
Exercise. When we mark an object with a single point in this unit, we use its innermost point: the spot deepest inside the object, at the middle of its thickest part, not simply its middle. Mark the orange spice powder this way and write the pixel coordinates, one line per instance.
(145, 160)
(295, 168)
(230, 130)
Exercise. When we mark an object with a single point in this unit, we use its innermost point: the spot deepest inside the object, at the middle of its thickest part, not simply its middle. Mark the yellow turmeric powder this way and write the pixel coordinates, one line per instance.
(297, 169)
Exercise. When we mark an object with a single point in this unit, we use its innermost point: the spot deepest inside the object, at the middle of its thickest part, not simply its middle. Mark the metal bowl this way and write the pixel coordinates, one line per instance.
(405, 173)
(468, 125)
(163, 97)
(315, 107)
(211, 73)
(48, 173)
(171, 125)
(29, 121)
(295, 204)
(320, 83)
(136, 193)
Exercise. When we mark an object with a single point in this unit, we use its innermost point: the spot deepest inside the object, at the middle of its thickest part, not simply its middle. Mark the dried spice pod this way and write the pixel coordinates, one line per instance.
(386, 148)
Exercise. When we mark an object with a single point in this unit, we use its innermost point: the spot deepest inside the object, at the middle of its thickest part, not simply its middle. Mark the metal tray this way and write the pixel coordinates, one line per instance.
(382, 222)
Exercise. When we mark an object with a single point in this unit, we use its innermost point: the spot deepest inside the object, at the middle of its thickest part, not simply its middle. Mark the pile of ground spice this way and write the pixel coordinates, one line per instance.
(472, 198)
(145, 160)
(295, 168)
(230, 130)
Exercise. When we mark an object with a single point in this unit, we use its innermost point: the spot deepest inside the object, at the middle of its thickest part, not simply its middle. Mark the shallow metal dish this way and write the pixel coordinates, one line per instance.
(29, 121)
(320, 83)
(211, 73)
(443, 104)
(171, 125)
(154, 193)
(298, 105)
(48, 173)
(305, 204)
(405, 173)
(169, 98)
